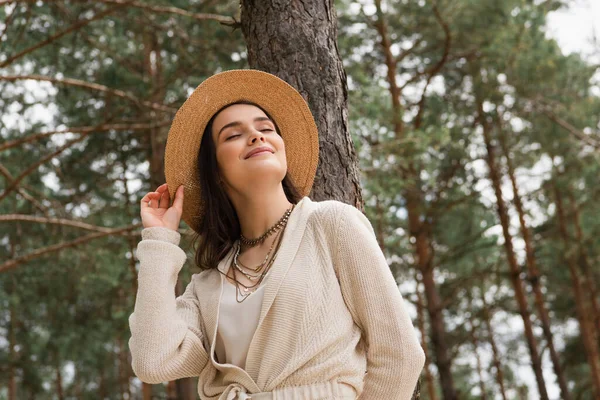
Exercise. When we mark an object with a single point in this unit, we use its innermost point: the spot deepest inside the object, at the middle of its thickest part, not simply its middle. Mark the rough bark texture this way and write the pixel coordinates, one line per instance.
(517, 283)
(296, 41)
(534, 274)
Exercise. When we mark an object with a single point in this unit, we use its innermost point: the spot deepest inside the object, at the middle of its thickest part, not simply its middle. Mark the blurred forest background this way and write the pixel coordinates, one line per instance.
(478, 144)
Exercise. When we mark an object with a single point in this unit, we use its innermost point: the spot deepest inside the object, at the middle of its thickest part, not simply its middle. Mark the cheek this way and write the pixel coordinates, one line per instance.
(225, 154)
(281, 150)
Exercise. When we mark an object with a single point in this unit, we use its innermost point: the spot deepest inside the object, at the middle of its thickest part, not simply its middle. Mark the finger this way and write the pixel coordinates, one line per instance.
(164, 199)
(178, 202)
(150, 197)
(161, 188)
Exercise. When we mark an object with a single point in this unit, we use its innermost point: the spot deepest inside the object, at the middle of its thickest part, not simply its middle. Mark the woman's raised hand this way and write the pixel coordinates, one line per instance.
(159, 212)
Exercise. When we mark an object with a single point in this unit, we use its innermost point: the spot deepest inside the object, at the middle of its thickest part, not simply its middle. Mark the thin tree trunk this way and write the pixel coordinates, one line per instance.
(534, 274)
(123, 375)
(434, 309)
(102, 384)
(510, 254)
(146, 391)
(591, 350)
(77, 384)
(418, 229)
(58, 376)
(12, 325)
(157, 138)
(12, 353)
(590, 280)
(296, 41)
(475, 343)
(421, 324)
(495, 354)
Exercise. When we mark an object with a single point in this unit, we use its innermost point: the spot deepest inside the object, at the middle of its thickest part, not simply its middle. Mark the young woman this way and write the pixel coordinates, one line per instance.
(296, 299)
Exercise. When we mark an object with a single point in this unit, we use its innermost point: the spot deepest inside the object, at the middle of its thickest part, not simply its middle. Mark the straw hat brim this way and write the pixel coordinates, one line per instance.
(280, 100)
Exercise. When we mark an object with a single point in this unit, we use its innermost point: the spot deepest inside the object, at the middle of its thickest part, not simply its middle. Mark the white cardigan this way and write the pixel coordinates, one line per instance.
(331, 310)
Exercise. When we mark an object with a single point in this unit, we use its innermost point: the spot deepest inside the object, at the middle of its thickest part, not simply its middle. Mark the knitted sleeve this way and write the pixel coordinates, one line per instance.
(166, 338)
(394, 355)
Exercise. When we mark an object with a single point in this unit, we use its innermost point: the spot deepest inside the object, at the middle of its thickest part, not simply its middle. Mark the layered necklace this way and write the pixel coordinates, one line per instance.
(257, 274)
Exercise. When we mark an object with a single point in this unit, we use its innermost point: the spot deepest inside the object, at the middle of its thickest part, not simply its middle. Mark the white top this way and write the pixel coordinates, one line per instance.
(237, 322)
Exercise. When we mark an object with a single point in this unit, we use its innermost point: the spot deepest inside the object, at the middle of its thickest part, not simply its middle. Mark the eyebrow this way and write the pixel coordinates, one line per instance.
(237, 123)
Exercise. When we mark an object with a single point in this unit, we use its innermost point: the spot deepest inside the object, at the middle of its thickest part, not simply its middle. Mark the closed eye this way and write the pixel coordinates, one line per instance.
(232, 136)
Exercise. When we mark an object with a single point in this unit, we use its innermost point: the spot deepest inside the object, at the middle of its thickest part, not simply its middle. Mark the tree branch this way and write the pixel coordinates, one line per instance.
(82, 129)
(58, 35)
(91, 86)
(436, 68)
(6, 173)
(222, 19)
(41, 161)
(572, 130)
(409, 51)
(56, 221)
(10, 264)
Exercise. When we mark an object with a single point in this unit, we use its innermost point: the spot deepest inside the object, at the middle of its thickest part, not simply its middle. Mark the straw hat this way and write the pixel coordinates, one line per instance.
(280, 100)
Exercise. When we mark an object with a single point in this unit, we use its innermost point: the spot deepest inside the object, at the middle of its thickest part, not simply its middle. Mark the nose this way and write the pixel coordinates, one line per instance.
(256, 135)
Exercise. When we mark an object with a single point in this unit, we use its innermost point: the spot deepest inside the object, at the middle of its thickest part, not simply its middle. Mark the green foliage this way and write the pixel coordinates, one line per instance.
(67, 310)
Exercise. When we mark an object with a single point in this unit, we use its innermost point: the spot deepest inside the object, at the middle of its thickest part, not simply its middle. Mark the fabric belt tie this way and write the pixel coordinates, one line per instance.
(317, 391)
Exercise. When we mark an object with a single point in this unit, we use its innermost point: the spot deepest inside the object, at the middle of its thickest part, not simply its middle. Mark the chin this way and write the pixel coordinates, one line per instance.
(264, 171)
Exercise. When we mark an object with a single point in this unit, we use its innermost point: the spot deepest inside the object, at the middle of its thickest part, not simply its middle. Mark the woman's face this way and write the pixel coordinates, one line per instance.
(238, 131)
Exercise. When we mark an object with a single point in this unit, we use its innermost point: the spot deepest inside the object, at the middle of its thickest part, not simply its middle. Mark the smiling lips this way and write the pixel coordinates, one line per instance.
(259, 150)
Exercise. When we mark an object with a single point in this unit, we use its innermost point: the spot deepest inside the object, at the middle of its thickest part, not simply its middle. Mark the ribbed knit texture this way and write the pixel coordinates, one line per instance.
(330, 297)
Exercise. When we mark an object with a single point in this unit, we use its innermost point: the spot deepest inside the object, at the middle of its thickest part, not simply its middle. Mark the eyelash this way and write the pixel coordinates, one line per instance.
(262, 130)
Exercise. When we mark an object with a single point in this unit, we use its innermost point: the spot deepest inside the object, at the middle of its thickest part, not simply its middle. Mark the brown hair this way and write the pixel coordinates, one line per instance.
(219, 226)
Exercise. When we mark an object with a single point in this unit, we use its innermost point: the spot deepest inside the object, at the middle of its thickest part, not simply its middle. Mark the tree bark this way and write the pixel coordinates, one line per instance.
(12, 353)
(146, 391)
(534, 273)
(515, 278)
(58, 376)
(418, 229)
(495, 354)
(475, 343)
(421, 324)
(590, 280)
(587, 335)
(296, 41)
(12, 324)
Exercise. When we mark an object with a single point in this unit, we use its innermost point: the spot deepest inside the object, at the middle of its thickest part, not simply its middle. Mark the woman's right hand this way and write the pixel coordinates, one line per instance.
(159, 212)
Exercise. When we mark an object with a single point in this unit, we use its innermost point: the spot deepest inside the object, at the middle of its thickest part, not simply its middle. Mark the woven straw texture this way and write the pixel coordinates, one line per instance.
(285, 105)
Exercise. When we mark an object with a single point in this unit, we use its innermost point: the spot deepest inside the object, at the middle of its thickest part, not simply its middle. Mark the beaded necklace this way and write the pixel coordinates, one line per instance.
(244, 291)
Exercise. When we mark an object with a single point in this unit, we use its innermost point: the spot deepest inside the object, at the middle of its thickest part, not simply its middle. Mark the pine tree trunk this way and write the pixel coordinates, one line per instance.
(12, 325)
(534, 274)
(123, 371)
(157, 138)
(12, 353)
(146, 391)
(297, 42)
(434, 309)
(417, 229)
(516, 281)
(495, 354)
(587, 335)
(421, 324)
(58, 376)
(475, 344)
(590, 280)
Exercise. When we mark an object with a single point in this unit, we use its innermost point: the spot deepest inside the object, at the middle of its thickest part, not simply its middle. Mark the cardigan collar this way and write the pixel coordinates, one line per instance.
(212, 286)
